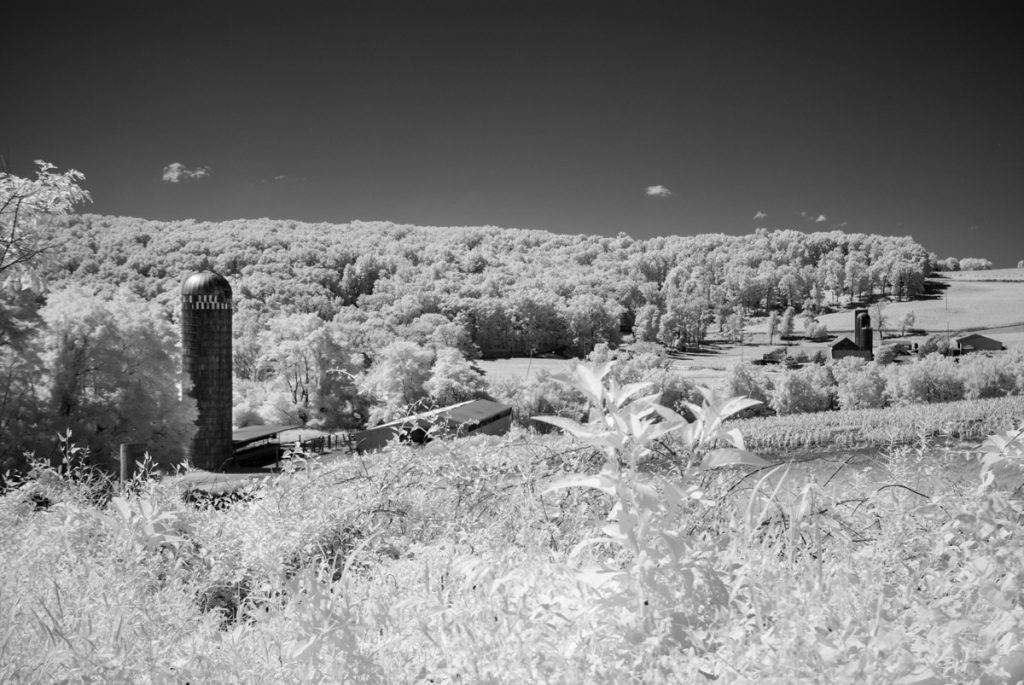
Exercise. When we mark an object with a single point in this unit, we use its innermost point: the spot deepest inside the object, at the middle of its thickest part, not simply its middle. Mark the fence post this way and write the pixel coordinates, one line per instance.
(127, 456)
(125, 463)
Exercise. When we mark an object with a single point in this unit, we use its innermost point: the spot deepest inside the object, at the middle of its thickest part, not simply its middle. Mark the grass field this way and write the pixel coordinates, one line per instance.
(966, 305)
(520, 367)
(989, 275)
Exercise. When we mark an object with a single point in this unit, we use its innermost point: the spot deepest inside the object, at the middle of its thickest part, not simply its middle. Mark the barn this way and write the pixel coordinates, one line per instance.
(475, 417)
(978, 343)
(255, 446)
(844, 347)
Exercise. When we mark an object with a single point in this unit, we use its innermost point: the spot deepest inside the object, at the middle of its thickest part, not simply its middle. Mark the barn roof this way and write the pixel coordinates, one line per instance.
(249, 434)
(473, 411)
(844, 344)
(976, 338)
(470, 411)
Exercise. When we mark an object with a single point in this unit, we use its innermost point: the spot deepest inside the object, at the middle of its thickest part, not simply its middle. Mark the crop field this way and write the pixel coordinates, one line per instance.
(813, 434)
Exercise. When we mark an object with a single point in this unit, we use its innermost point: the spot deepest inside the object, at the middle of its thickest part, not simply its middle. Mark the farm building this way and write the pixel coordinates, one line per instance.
(475, 417)
(976, 343)
(844, 347)
(863, 343)
(256, 445)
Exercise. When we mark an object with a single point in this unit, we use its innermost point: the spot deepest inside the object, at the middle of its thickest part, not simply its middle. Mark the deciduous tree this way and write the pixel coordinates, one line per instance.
(453, 379)
(115, 371)
(396, 381)
(24, 205)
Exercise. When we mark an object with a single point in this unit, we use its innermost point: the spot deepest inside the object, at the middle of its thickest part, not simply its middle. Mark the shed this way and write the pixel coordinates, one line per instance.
(976, 342)
(474, 417)
(844, 347)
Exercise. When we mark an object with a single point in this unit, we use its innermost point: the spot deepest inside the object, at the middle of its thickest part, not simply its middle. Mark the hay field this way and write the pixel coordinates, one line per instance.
(966, 305)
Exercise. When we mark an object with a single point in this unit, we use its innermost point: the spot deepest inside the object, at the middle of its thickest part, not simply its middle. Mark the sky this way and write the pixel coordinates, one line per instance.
(649, 118)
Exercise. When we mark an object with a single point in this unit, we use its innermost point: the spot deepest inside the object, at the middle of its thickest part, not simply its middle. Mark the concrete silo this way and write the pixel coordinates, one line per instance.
(206, 342)
(862, 330)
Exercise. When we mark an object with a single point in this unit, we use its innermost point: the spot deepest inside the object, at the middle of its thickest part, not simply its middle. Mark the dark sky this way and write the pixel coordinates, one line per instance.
(887, 117)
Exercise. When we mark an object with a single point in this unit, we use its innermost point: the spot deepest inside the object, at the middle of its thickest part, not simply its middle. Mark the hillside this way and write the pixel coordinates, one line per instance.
(962, 305)
(514, 291)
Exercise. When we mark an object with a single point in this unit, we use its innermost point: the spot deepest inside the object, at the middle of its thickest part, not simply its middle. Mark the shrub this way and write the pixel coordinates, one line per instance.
(744, 380)
(861, 385)
(886, 355)
(816, 330)
(984, 376)
(932, 379)
(809, 389)
(1014, 360)
(935, 343)
(647, 363)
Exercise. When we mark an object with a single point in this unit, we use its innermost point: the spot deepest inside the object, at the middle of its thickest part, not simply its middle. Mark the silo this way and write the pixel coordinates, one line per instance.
(862, 332)
(206, 342)
(861, 320)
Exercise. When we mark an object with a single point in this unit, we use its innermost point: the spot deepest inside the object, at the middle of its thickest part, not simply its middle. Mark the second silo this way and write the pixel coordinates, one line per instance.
(206, 341)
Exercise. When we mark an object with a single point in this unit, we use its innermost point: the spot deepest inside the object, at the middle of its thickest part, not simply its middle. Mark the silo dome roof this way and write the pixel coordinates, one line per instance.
(206, 283)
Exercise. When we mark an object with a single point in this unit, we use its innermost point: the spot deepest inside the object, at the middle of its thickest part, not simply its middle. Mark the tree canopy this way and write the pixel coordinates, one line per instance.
(504, 291)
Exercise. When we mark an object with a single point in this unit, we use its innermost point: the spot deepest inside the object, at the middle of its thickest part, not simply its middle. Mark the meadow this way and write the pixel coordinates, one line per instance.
(965, 304)
(624, 551)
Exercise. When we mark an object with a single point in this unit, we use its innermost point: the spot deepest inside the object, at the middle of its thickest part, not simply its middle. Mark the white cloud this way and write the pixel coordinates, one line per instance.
(280, 178)
(175, 172)
(657, 191)
(821, 219)
(760, 215)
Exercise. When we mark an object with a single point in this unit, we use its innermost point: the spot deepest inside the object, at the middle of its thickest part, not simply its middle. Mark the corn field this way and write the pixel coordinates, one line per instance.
(965, 420)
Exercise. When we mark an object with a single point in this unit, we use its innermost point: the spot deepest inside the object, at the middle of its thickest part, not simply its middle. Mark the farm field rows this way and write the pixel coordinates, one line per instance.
(954, 422)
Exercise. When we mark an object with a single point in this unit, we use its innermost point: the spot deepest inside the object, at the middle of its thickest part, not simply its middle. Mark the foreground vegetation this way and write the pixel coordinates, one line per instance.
(634, 552)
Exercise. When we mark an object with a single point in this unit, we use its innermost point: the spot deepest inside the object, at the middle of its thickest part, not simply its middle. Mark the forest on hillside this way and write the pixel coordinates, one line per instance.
(509, 291)
(344, 325)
